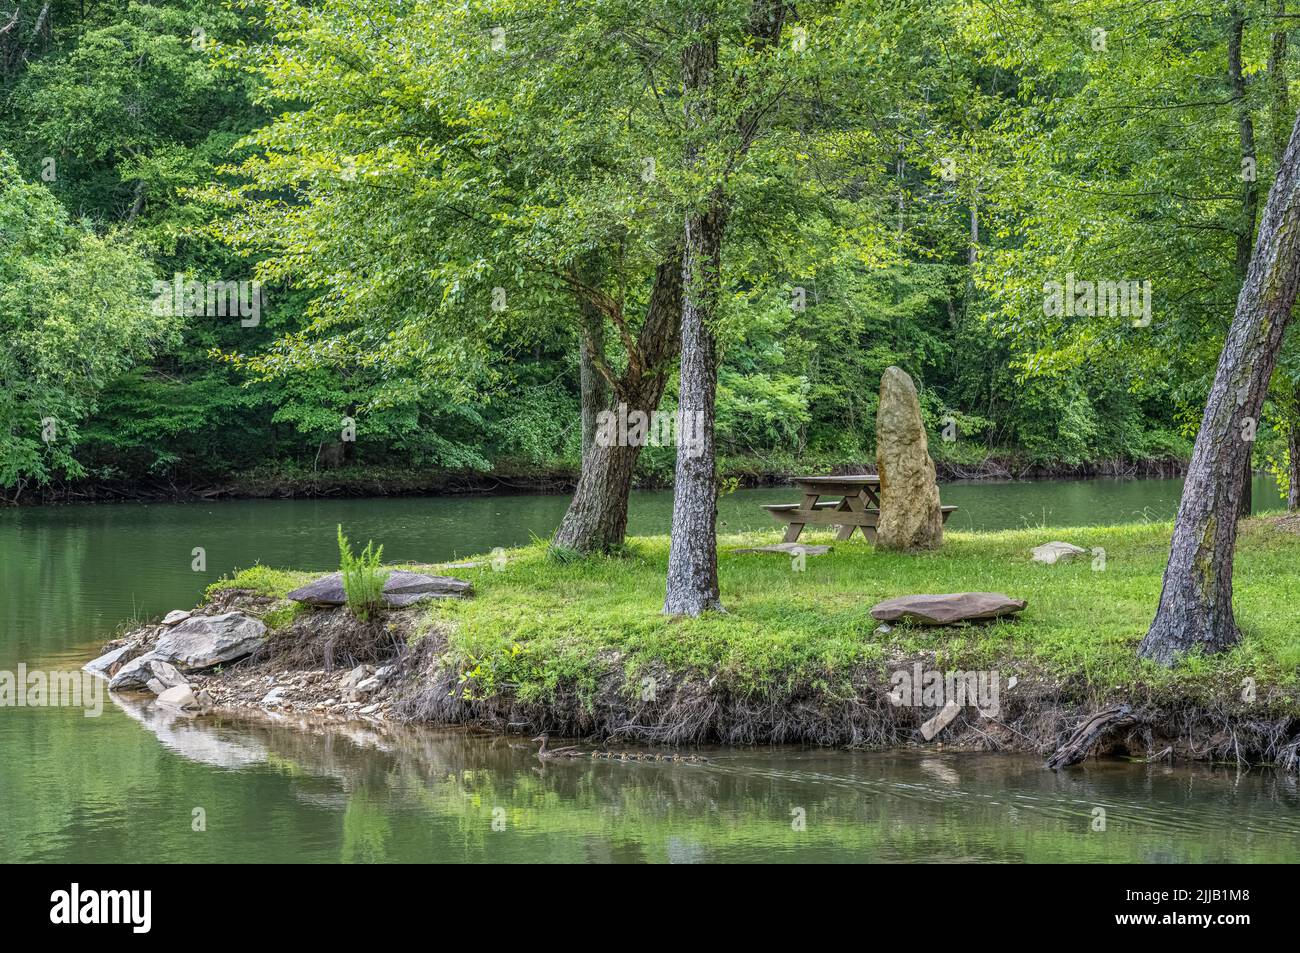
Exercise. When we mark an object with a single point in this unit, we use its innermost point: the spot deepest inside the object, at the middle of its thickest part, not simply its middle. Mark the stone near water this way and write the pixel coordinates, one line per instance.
(947, 608)
(104, 664)
(165, 676)
(910, 516)
(176, 616)
(207, 640)
(402, 588)
(1056, 552)
(147, 672)
(788, 549)
(179, 697)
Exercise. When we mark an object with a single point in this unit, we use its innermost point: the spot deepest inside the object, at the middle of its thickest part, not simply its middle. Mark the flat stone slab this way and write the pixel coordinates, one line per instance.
(788, 549)
(1056, 552)
(947, 608)
(402, 588)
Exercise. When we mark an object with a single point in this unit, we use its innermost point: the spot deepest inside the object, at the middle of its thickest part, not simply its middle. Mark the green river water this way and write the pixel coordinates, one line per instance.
(126, 786)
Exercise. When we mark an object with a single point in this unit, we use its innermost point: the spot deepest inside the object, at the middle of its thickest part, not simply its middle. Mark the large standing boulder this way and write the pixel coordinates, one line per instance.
(203, 641)
(910, 517)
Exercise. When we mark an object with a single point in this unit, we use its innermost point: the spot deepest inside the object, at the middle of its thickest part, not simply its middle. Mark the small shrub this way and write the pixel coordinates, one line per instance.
(363, 577)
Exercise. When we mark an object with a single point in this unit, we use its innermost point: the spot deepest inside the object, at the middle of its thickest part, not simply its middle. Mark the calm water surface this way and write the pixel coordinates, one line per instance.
(124, 786)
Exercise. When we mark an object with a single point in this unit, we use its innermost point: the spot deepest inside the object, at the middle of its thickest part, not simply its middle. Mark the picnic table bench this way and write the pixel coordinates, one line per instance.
(856, 506)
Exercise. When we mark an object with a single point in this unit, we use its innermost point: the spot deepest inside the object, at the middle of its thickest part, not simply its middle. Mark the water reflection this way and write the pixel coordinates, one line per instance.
(409, 794)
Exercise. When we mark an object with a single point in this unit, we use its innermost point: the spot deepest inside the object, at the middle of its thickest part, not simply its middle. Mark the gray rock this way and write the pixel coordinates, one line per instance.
(1056, 552)
(104, 664)
(910, 517)
(207, 640)
(947, 608)
(355, 677)
(165, 676)
(179, 697)
(148, 672)
(176, 616)
(274, 697)
(402, 588)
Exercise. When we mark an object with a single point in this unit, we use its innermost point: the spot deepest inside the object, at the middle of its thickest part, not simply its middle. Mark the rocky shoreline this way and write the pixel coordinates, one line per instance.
(222, 655)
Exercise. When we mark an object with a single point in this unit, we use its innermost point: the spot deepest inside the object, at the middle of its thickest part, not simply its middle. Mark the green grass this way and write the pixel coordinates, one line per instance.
(539, 622)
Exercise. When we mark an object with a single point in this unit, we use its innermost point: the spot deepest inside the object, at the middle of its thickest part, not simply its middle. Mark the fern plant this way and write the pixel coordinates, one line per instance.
(363, 577)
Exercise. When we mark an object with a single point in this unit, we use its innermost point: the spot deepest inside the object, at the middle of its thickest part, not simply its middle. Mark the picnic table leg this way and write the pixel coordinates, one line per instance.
(793, 530)
(845, 529)
(851, 504)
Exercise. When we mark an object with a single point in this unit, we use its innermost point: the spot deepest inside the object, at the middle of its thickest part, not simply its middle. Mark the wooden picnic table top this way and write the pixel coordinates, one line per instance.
(855, 479)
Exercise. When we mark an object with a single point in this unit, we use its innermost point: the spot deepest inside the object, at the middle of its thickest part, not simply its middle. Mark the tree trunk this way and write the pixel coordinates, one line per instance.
(594, 393)
(1293, 466)
(1279, 100)
(692, 585)
(1196, 598)
(596, 520)
(1249, 199)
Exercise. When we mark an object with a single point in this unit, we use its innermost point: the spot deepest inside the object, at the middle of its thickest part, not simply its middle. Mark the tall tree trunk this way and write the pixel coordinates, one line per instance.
(596, 520)
(1196, 598)
(592, 387)
(692, 585)
(1249, 199)
(1293, 461)
(1280, 96)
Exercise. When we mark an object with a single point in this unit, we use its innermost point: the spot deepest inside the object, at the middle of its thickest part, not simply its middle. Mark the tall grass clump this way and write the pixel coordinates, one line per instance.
(363, 577)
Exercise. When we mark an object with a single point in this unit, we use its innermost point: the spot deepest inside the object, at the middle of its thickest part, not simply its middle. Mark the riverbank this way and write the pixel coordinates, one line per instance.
(580, 649)
(291, 482)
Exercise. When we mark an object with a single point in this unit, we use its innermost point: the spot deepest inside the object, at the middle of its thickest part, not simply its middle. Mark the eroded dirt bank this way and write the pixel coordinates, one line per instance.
(325, 665)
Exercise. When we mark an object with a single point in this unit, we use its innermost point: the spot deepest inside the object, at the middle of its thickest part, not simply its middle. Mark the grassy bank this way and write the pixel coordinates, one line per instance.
(540, 627)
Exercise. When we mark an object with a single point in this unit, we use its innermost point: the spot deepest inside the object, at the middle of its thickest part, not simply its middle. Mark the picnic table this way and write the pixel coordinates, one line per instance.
(854, 504)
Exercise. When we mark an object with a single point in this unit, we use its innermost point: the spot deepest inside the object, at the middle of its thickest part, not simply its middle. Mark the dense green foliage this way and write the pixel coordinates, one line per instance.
(383, 167)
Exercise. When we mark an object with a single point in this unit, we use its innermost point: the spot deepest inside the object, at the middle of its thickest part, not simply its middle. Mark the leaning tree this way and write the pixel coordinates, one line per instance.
(1196, 599)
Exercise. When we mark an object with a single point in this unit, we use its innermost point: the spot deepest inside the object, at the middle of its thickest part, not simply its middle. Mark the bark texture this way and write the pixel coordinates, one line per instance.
(1293, 463)
(692, 583)
(1196, 598)
(692, 580)
(596, 520)
(593, 390)
(1249, 196)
